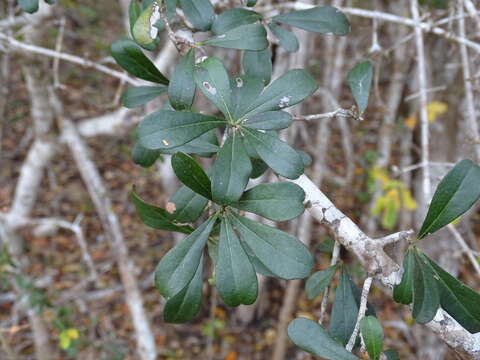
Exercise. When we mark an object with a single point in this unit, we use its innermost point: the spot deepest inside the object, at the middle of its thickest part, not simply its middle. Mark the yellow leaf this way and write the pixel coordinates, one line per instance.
(435, 109)
(408, 201)
(65, 340)
(411, 121)
(73, 333)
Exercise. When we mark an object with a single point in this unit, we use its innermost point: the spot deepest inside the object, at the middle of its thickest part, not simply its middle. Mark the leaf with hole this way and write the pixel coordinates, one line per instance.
(179, 265)
(320, 19)
(166, 129)
(455, 194)
(156, 217)
(245, 90)
(372, 334)
(204, 145)
(140, 95)
(233, 18)
(278, 201)
(185, 305)
(235, 277)
(191, 174)
(130, 57)
(311, 337)
(244, 37)
(144, 32)
(231, 171)
(281, 253)
(181, 90)
(258, 64)
(318, 282)
(359, 81)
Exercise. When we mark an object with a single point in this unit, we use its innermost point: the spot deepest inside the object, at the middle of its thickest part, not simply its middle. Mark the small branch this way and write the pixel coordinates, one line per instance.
(466, 249)
(347, 113)
(361, 312)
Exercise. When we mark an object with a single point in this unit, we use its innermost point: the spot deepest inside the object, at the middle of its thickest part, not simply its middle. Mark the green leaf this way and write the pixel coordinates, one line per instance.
(250, 3)
(144, 32)
(181, 90)
(326, 246)
(318, 282)
(359, 81)
(204, 145)
(191, 174)
(281, 253)
(403, 292)
(245, 37)
(258, 64)
(426, 298)
(180, 264)
(212, 79)
(455, 194)
(235, 277)
(391, 354)
(258, 168)
(277, 154)
(185, 305)
(166, 129)
(269, 120)
(372, 334)
(130, 56)
(188, 205)
(278, 201)
(289, 89)
(156, 217)
(311, 337)
(143, 156)
(29, 6)
(320, 19)
(245, 90)
(457, 299)
(231, 171)
(233, 18)
(199, 12)
(344, 311)
(286, 38)
(134, 12)
(140, 95)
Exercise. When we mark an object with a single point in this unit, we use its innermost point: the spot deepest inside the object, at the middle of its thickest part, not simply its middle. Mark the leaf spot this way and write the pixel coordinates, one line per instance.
(209, 88)
(239, 82)
(171, 207)
(221, 36)
(284, 101)
(165, 142)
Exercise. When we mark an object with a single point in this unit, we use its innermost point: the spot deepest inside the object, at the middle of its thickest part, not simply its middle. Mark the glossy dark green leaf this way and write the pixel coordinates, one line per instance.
(188, 205)
(277, 154)
(372, 334)
(258, 64)
(130, 56)
(311, 337)
(233, 18)
(143, 156)
(359, 81)
(287, 39)
(157, 217)
(258, 168)
(235, 277)
(212, 79)
(288, 90)
(269, 120)
(134, 12)
(199, 12)
(318, 282)
(391, 354)
(403, 292)
(231, 171)
(245, 37)
(181, 89)
(281, 253)
(191, 174)
(344, 311)
(320, 19)
(426, 297)
(140, 95)
(29, 6)
(455, 194)
(457, 299)
(245, 90)
(185, 305)
(166, 129)
(277, 201)
(180, 264)
(250, 3)
(204, 145)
